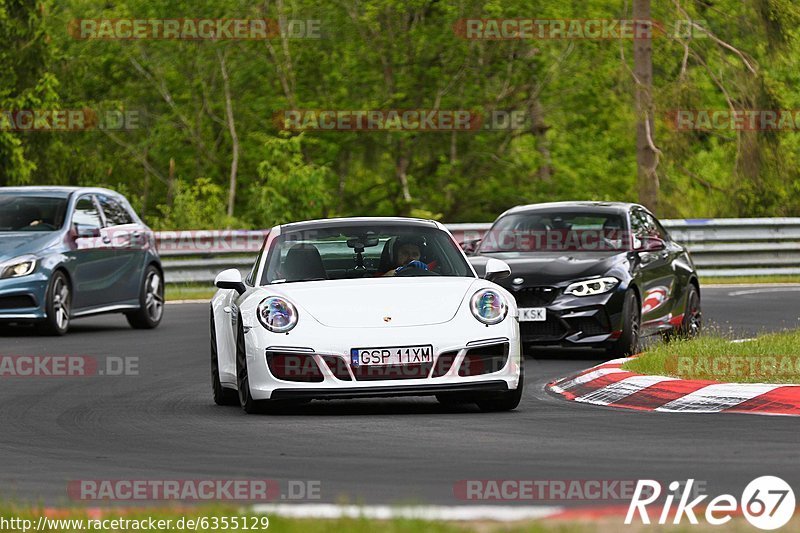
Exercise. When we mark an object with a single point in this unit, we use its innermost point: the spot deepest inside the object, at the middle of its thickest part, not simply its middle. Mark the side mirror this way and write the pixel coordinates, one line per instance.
(230, 279)
(83, 231)
(496, 269)
(651, 244)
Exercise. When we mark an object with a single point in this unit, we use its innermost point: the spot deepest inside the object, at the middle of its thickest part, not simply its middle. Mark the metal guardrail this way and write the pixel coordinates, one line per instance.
(722, 247)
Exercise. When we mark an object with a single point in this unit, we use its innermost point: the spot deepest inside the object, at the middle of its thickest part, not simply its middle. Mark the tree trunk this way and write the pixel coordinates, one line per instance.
(646, 156)
(226, 84)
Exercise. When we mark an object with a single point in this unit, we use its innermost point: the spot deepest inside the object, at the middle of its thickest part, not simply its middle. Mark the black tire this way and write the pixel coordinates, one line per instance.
(222, 396)
(58, 306)
(151, 301)
(628, 342)
(503, 401)
(246, 401)
(692, 321)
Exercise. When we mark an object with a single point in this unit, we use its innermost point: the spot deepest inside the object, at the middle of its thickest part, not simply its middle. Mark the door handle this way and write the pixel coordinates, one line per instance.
(106, 239)
(226, 309)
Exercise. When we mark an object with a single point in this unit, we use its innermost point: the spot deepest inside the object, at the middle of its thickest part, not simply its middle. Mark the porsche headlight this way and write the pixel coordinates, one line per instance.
(488, 306)
(16, 268)
(277, 314)
(591, 287)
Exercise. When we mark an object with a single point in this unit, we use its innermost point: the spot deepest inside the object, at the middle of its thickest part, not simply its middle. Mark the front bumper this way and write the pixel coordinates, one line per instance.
(23, 298)
(327, 351)
(571, 321)
(389, 391)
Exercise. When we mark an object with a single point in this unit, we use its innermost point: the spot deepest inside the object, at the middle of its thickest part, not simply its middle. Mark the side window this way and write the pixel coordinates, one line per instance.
(639, 226)
(86, 213)
(658, 229)
(116, 214)
(252, 276)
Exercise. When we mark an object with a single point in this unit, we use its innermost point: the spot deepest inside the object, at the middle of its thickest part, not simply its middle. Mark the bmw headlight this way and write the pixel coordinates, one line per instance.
(591, 287)
(277, 314)
(488, 306)
(16, 268)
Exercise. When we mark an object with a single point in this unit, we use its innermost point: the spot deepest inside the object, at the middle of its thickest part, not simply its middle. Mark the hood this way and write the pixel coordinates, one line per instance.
(365, 303)
(23, 243)
(552, 268)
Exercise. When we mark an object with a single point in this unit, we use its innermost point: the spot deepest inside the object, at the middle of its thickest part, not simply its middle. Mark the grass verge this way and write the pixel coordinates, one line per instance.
(769, 358)
(185, 291)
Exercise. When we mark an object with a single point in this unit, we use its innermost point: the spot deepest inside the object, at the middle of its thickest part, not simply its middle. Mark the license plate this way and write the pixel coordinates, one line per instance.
(395, 355)
(532, 314)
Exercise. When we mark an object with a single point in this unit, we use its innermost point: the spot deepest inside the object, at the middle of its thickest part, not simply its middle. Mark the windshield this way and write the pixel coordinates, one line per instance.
(354, 252)
(557, 232)
(31, 213)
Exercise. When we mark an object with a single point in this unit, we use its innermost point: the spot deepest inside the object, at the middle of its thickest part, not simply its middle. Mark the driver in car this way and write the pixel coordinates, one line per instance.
(407, 256)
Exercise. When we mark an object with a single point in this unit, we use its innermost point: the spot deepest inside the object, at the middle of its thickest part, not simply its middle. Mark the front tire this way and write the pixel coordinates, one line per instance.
(246, 401)
(504, 401)
(151, 301)
(628, 342)
(222, 396)
(58, 305)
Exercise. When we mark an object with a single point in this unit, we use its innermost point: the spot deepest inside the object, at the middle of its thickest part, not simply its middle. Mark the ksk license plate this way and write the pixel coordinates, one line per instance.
(532, 314)
(395, 355)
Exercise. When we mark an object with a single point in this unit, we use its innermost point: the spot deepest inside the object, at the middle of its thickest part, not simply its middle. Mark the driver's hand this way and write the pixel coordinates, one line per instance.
(414, 264)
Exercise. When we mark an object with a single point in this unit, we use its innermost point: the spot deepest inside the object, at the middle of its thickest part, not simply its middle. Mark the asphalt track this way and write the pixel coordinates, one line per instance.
(162, 424)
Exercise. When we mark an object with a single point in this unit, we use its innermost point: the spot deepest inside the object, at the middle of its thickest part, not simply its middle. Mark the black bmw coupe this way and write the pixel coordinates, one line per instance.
(594, 274)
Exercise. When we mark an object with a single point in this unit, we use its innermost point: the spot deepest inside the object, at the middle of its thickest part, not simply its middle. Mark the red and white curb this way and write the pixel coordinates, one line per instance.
(609, 385)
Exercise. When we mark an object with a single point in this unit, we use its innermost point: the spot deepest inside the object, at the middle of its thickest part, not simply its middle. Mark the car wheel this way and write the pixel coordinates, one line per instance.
(628, 342)
(151, 301)
(222, 396)
(246, 401)
(504, 401)
(58, 305)
(692, 317)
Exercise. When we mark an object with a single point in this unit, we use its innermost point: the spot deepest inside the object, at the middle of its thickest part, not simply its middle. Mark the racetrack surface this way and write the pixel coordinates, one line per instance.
(163, 424)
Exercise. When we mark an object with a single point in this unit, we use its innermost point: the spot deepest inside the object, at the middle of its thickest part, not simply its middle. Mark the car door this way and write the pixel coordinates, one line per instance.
(91, 259)
(655, 272)
(129, 242)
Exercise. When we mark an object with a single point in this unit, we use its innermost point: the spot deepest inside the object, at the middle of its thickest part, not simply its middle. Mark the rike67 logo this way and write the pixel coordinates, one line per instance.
(767, 503)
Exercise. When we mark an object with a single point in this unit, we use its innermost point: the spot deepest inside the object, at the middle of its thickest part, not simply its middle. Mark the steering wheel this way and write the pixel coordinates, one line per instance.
(413, 269)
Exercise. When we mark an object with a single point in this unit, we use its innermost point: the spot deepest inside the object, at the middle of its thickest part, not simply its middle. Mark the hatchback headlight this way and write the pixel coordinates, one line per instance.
(277, 314)
(591, 287)
(489, 306)
(16, 268)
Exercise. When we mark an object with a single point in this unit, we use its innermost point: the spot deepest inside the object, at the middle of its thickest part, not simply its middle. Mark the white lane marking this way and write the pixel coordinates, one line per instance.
(739, 341)
(758, 291)
(621, 389)
(715, 398)
(590, 376)
(385, 512)
(179, 302)
(734, 285)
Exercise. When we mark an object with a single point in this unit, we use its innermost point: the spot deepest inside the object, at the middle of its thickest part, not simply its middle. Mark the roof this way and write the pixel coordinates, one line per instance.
(600, 207)
(357, 221)
(59, 192)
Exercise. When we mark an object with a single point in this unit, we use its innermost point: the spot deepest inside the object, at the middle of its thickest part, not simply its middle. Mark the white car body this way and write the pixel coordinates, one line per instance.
(336, 316)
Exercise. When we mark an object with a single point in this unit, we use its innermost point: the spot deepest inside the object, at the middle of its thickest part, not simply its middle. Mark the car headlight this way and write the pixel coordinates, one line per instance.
(489, 306)
(276, 314)
(591, 287)
(16, 268)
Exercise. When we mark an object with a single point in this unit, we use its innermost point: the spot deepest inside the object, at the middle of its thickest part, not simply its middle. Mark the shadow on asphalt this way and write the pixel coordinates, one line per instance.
(338, 408)
(30, 330)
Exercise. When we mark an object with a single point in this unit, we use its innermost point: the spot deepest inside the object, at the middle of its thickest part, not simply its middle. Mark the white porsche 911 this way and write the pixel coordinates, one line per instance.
(364, 307)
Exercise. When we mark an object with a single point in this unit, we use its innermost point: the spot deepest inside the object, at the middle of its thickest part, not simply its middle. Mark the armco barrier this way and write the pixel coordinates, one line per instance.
(722, 247)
